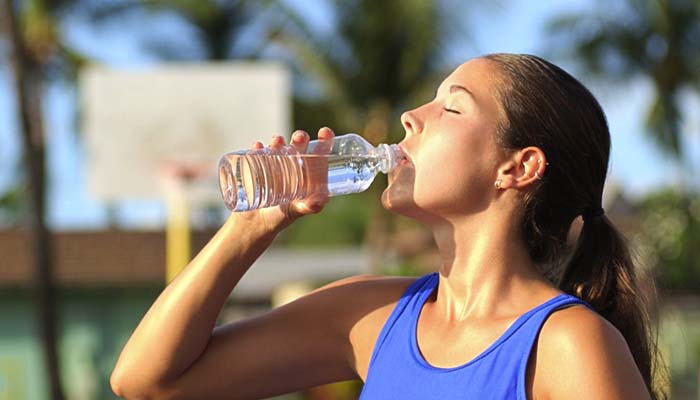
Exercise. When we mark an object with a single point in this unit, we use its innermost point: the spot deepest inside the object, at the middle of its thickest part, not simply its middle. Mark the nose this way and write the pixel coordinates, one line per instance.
(411, 122)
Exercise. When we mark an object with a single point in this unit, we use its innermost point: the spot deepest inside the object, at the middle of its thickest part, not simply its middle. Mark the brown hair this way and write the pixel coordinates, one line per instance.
(546, 107)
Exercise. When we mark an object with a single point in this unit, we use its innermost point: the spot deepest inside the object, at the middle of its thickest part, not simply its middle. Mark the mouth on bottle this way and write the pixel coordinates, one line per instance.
(403, 157)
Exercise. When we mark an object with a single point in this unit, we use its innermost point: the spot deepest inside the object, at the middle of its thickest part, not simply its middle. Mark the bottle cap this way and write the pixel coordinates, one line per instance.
(390, 155)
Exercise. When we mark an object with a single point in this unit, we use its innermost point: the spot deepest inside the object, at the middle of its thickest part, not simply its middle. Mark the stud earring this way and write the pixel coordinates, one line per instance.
(498, 183)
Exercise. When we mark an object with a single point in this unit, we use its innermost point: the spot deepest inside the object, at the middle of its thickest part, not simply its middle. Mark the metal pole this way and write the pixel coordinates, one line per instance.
(177, 235)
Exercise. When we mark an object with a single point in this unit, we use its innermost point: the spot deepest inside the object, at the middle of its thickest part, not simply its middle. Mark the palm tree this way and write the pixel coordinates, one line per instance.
(381, 58)
(26, 66)
(216, 27)
(657, 39)
(37, 54)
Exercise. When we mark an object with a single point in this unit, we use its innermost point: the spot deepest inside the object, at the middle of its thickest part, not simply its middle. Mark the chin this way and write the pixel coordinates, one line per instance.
(396, 201)
(399, 195)
(400, 201)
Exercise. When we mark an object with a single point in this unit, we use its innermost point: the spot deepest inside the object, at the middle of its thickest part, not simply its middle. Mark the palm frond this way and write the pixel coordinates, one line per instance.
(653, 39)
(663, 123)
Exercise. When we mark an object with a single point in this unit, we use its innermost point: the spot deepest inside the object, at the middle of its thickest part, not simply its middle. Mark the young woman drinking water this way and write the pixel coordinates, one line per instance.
(507, 155)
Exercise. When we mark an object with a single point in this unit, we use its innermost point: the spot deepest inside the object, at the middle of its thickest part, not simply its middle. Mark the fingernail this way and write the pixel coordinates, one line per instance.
(298, 136)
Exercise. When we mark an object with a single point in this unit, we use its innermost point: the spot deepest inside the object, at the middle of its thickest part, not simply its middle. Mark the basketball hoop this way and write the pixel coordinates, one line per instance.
(184, 170)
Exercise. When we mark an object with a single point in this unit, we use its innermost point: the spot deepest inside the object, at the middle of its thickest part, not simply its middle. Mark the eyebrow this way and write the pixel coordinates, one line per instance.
(456, 88)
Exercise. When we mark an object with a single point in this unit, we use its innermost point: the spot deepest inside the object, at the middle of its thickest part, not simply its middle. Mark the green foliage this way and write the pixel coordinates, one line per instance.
(342, 223)
(52, 59)
(215, 27)
(670, 238)
(403, 268)
(46, 48)
(12, 205)
(380, 57)
(655, 39)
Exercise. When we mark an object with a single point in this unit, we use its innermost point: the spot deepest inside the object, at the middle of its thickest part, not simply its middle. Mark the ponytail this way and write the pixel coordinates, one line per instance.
(546, 107)
(601, 272)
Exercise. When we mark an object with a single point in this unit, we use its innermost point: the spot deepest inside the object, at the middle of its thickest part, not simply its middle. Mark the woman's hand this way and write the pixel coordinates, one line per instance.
(316, 185)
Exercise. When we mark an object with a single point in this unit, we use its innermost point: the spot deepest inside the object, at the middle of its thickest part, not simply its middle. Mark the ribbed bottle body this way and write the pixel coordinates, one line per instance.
(251, 181)
(259, 178)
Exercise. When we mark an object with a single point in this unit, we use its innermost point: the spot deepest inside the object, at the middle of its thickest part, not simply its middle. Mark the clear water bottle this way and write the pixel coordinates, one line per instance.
(258, 178)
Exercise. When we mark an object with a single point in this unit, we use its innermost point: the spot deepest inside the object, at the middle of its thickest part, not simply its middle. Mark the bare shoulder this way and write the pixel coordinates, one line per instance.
(360, 291)
(347, 301)
(579, 351)
(366, 302)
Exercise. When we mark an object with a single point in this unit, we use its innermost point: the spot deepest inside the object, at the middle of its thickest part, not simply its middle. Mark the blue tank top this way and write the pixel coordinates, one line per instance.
(397, 369)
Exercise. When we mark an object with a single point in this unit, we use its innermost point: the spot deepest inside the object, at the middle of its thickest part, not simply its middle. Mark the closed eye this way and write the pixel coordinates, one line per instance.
(452, 110)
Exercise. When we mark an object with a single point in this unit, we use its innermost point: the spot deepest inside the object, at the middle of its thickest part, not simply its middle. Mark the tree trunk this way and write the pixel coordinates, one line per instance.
(27, 80)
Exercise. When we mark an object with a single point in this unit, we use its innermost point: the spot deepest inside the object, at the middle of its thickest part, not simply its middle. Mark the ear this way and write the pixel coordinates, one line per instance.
(523, 168)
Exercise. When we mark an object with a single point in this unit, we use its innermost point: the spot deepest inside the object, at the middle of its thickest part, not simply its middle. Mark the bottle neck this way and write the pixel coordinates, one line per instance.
(389, 156)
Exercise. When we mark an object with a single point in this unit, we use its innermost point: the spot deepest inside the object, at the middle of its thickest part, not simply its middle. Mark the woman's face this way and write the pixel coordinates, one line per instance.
(450, 142)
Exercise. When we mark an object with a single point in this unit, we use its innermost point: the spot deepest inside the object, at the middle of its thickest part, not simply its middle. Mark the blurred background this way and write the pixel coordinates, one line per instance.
(113, 114)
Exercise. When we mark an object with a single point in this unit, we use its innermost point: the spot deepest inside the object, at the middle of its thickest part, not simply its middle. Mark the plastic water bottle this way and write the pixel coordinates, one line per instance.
(258, 178)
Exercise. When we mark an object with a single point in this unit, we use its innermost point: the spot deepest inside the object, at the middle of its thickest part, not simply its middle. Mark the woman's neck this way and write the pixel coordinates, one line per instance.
(485, 270)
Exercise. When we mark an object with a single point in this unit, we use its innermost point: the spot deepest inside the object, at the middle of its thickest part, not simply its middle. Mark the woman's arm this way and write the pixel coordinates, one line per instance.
(175, 352)
(178, 326)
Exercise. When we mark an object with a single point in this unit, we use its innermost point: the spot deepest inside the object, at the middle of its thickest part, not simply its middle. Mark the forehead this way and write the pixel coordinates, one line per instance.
(481, 78)
(478, 75)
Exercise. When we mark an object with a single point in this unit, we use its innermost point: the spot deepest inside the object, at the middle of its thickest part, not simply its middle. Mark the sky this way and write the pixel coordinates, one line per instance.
(512, 26)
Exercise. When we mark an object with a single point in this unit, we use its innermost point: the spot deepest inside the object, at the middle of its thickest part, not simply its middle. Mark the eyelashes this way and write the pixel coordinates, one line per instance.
(450, 110)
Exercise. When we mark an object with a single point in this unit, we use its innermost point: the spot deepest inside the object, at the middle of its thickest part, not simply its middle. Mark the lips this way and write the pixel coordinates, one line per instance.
(407, 157)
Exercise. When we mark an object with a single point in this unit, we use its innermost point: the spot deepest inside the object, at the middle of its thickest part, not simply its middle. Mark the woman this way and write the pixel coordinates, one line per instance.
(510, 151)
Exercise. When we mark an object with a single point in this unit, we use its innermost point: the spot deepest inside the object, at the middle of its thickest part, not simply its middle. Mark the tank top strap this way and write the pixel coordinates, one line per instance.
(411, 299)
(531, 325)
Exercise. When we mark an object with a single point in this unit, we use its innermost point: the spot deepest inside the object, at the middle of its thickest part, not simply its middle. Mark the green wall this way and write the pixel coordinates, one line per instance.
(94, 324)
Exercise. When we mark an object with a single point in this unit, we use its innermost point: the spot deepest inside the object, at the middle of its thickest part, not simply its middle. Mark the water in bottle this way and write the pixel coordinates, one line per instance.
(252, 179)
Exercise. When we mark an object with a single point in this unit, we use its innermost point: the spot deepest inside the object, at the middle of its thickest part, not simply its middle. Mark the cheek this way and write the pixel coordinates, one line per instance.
(443, 179)
(454, 177)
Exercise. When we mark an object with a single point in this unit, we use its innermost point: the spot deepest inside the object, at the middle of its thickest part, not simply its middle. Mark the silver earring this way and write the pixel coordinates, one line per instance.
(498, 183)
(538, 175)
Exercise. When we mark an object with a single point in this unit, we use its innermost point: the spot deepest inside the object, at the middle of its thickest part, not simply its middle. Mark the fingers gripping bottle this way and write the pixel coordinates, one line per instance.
(258, 178)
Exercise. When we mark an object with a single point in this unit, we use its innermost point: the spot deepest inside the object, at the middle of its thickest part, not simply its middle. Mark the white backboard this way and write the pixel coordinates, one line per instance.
(137, 120)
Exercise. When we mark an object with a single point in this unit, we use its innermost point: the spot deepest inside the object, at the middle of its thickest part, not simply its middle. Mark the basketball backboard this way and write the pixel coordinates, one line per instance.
(137, 121)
